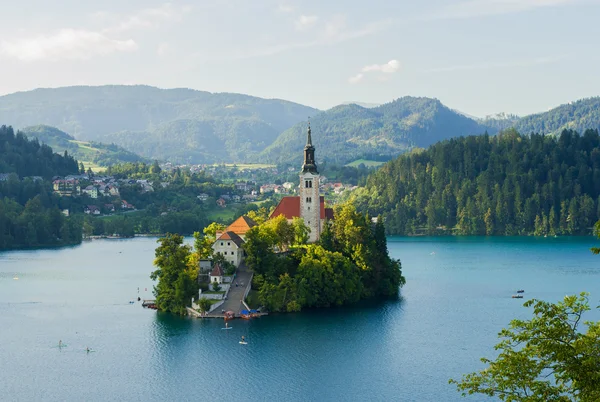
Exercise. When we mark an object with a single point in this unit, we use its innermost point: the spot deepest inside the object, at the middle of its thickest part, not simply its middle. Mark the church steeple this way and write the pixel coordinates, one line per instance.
(309, 164)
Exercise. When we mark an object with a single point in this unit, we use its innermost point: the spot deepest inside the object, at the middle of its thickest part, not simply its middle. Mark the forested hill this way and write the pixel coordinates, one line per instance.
(30, 158)
(509, 184)
(29, 213)
(349, 132)
(579, 116)
(87, 152)
(159, 123)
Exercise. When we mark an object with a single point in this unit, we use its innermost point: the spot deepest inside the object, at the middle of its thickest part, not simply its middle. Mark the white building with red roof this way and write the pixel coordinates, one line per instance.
(229, 245)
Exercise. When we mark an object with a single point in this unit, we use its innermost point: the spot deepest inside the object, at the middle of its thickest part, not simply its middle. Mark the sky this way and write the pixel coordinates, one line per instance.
(480, 57)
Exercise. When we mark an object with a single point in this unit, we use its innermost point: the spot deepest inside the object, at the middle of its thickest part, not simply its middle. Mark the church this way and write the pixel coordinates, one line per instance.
(309, 206)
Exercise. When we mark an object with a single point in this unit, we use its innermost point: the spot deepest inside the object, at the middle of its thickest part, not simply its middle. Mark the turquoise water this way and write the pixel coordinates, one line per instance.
(456, 299)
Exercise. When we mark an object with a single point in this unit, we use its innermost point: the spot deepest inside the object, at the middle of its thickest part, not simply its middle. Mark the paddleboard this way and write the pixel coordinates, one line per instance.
(227, 328)
(243, 343)
(60, 346)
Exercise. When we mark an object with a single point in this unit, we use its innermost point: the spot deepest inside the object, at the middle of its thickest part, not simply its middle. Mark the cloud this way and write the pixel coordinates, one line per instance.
(356, 78)
(71, 44)
(150, 18)
(390, 67)
(382, 71)
(479, 8)
(504, 64)
(306, 21)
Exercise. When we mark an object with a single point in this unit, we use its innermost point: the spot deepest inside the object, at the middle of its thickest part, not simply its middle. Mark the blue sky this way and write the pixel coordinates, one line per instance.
(478, 56)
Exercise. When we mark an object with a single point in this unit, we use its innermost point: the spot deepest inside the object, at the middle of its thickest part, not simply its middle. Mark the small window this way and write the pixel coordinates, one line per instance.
(229, 243)
(309, 208)
(221, 243)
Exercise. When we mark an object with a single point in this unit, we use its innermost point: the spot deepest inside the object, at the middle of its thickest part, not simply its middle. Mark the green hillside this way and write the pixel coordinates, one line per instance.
(175, 124)
(348, 132)
(90, 153)
(579, 116)
(509, 184)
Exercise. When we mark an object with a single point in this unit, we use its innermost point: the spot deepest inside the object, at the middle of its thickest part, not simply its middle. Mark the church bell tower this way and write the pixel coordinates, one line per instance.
(310, 204)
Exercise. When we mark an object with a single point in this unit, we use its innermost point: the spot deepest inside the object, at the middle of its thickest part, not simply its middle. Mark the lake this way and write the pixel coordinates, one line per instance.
(456, 299)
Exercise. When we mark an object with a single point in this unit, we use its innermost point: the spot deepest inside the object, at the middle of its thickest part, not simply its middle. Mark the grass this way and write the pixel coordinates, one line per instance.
(223, 214)
(95, 168)
(366, 162)
(212, 292)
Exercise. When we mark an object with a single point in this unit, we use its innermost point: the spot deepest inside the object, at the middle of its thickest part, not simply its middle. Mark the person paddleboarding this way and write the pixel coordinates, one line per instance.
(60, 344)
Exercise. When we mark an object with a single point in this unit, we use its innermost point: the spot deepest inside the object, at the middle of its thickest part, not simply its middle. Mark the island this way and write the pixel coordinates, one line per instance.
(300, 255)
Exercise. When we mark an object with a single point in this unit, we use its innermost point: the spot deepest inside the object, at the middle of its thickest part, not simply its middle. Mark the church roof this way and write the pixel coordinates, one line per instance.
(241, 225)
(232, 237)
(290, 208)
(217, 270)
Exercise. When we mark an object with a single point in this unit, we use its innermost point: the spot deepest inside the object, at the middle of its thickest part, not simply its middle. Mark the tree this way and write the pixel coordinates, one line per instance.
(216, 286)
(176, 279)
(547, 358)
(204, 304)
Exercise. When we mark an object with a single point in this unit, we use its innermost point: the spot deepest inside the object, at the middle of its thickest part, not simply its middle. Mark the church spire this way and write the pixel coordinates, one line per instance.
(309, 164)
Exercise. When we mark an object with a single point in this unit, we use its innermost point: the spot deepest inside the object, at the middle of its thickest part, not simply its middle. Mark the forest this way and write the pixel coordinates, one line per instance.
(509, 184)
(29, 212)
(349, 263)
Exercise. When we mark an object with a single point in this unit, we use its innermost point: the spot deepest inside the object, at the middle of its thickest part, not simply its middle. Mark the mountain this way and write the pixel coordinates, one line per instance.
(579, 116)
(87, 152)
(348, 132)
(509, 184)
(175, 124)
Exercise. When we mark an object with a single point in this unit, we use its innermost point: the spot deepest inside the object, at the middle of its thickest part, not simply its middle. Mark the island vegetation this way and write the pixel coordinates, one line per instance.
(509, 184)
(350, 262)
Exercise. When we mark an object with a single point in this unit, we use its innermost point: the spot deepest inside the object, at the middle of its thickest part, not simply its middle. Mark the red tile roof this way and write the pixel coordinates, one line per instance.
(232, 237)
(290, 208)
(241, 225)
(217, 271)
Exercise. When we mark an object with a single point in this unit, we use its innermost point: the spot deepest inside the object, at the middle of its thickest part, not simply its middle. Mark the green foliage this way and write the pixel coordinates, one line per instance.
(181, 125)
(216, 287)
(547, 358)
(509, 184)
(349, 264)
(176, 274)
(204, 304)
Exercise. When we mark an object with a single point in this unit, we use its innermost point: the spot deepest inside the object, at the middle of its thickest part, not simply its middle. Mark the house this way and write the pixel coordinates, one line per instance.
(91, 191)
(309, 206)
(91, 210)
(221, 202)
(126, 205)
(240, 226)
(216, 275)
(66, 187)
(229, 245)
(4, 176)
(113, 190)
(236, 198)
(288, 185)
(202, 197)
(109, 207)
(65, 212)
(267, 188)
